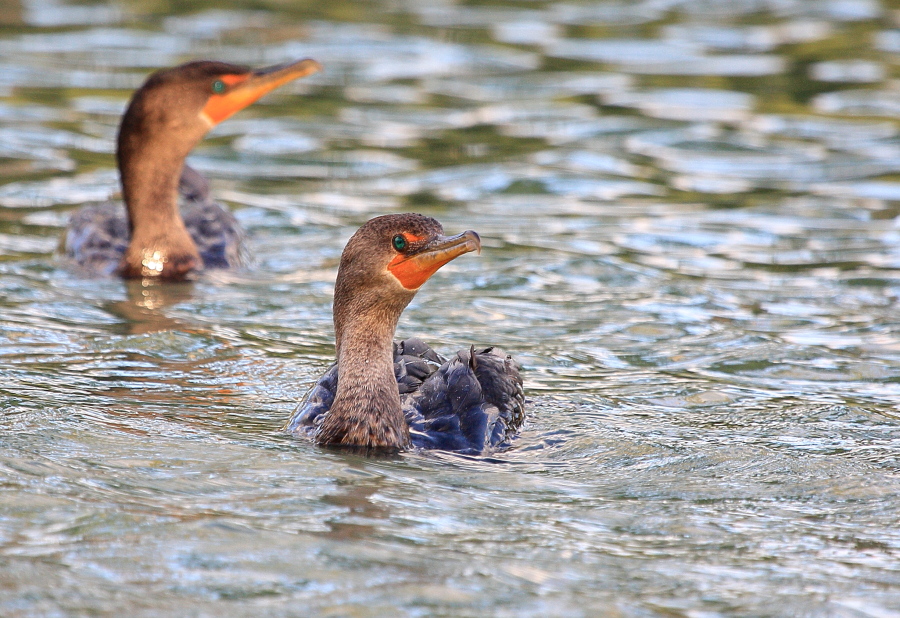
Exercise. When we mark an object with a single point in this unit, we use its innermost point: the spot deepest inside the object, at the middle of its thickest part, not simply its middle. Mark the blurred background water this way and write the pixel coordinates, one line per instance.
(690, 217)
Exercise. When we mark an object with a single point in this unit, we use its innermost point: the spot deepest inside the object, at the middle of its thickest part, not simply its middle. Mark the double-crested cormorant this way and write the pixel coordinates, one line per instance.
(390, 396)
(166, 118)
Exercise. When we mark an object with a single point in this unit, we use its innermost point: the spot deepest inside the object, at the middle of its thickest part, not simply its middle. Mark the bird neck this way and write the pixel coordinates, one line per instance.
(160, 244)
(366, 411)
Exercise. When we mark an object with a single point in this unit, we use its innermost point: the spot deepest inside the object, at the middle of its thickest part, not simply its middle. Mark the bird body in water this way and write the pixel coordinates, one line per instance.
(170, 226)
(390, 396)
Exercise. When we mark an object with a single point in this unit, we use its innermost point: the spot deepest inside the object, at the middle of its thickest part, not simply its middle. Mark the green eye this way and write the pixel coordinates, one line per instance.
(399, 242)
(218, 86)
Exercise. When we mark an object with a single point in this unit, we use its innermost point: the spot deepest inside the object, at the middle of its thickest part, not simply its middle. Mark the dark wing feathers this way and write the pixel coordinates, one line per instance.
(216, 233)
(414, 361)
(317, 402)
(466, 409)
(192, 185)
(97, 237)
(448, 404)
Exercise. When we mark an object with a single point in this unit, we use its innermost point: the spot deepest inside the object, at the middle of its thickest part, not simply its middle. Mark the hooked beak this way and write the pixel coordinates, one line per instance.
(249, 87)
(414, 270)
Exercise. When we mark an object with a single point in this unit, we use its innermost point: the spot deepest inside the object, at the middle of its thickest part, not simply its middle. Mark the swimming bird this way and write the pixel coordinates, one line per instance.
(391, 396)
(165, 119)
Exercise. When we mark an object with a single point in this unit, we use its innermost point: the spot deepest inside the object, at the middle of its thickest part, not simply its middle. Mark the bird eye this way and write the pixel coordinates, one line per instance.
(399, 242)
(218, 86)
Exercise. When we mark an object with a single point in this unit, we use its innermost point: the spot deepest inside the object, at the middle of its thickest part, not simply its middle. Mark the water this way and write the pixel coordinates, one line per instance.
(690, 242)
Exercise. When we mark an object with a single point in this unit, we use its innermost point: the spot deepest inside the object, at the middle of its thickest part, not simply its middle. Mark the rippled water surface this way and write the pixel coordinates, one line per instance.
(689, 211)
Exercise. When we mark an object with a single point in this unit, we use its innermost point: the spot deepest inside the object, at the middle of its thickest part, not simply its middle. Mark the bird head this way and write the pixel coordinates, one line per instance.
(184, 102)
(388, 259)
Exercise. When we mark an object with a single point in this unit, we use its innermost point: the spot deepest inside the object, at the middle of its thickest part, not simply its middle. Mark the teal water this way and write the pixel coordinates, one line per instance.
(690, 242)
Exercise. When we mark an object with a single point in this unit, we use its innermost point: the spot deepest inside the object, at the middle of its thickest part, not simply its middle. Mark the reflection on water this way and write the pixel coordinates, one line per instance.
(688, 212)
(144, 309)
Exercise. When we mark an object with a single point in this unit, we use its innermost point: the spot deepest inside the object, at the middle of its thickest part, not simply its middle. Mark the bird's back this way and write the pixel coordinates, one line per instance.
(470, 403)
(98, 235)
